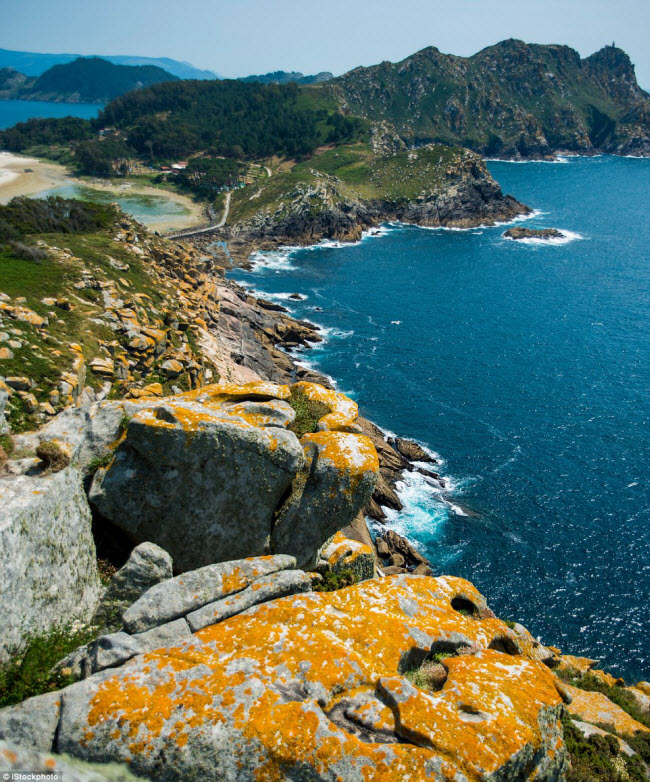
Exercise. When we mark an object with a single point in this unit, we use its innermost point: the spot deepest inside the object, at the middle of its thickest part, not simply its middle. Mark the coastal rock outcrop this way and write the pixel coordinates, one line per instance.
(545, 234)
(48, 566)
(316, 687)
(216, 474)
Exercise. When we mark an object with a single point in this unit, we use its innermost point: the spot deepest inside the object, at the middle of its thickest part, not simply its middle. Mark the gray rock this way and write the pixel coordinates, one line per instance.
(287, 582)
(588, 730)
(112, 650)
(186, 593)
(326, 497)
(86, 432)
(147, 565)
(201, 482)
(32, 723)
(29, 761)
(4, 398)
(48, 565)
(164, 635)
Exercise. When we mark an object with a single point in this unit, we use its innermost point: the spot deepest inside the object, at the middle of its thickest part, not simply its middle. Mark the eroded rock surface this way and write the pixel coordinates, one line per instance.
(312, 687)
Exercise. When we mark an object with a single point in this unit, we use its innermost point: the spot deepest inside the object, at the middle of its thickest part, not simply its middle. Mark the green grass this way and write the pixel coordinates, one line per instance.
(308, 413)
(28, 674)
(598, 759)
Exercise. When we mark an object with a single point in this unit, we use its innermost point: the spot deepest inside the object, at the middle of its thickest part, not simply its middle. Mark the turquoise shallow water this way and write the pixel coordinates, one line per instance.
(527, 368)
(13, 111)
(147, 209)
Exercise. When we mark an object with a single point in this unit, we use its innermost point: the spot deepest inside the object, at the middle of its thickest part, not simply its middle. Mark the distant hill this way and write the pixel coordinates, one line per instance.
(510, 100)
(85, 80)
(285, 77)
(36, 63)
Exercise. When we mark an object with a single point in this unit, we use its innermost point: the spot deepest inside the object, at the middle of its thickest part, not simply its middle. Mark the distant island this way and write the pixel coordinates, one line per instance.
(286, 77)
(84, 80)
(36, 63)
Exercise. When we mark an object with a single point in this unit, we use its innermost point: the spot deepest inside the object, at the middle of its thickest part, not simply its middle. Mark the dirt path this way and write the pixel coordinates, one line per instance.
(207, 229)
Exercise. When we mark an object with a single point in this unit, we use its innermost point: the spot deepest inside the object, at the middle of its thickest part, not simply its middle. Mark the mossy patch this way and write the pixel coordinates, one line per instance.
(333, 581)
(29, 673)
(308, 413)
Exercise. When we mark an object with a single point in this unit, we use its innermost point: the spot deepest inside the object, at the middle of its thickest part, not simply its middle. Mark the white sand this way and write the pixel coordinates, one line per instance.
(25, 176)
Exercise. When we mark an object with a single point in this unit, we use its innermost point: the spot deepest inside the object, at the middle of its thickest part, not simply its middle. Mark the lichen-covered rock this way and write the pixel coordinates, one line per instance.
(201, 480)
(343, 553)
(188, 592)
(48, 565)
(4, 398)
(43, 764)
(340, 474)
(596, 708)
(147, 565)
(311, 687)
(215, 474)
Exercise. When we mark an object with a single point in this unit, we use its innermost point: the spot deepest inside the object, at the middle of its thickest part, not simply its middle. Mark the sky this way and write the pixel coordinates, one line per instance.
(240, 37)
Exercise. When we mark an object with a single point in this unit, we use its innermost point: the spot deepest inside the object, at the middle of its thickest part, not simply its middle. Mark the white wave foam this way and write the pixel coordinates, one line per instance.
(274, 260)
(568, 236)
(560, 159)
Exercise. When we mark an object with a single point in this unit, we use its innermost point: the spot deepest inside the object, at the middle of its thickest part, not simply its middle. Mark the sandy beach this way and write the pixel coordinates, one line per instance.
(26, 176)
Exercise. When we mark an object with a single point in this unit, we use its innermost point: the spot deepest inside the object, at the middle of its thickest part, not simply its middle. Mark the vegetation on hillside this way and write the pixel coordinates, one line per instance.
(509, 99)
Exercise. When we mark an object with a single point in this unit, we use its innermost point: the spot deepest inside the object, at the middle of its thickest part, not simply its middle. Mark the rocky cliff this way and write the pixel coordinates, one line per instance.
(345, 190)
(512, 100)
(254, 630)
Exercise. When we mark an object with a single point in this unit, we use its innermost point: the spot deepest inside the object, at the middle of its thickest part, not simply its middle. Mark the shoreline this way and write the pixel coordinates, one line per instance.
(21, 175)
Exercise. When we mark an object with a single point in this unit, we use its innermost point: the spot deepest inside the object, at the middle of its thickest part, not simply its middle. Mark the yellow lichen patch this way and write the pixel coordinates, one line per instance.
(343, 552)
(343, 410)
(353, 454)
(218, 393)
(596, 708)
(255, 676)
(575, 666)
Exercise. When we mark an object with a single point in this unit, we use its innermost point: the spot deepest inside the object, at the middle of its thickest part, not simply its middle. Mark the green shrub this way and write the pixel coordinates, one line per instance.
(598, 758)
(308, 412)
(333, 581)
(28, 674)
(52, 456)
(99, 462)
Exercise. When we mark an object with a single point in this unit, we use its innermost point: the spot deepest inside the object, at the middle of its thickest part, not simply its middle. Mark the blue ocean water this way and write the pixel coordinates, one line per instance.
(13, 111)
(527, 368)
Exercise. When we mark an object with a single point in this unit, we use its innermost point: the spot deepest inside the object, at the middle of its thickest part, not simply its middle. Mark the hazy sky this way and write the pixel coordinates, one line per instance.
(239, 37)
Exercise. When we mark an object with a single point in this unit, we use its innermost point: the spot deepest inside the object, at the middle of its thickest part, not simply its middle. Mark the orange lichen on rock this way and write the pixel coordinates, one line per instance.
(343, 553)
(315, 682)
(352, 453)
(343, 410)
(596, 708)
(222, 392)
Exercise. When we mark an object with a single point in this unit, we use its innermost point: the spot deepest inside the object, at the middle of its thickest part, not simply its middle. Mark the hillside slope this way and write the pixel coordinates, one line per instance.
(512, 100)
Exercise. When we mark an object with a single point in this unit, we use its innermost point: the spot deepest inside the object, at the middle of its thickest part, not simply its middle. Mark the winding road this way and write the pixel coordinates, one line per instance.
(213, 227)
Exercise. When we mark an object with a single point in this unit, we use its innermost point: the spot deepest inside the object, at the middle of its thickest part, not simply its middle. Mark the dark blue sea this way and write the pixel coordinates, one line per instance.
(13, 111)
(526, 367)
